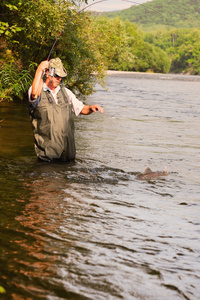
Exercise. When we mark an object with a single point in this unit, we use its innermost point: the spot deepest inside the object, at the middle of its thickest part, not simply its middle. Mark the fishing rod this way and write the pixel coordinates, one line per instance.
(68, 23)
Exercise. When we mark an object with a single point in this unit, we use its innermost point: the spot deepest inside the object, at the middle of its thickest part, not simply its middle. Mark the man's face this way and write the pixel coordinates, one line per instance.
(54, 81)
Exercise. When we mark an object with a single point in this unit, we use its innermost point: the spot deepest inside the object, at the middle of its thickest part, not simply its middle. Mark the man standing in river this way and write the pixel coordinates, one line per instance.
(51, 108)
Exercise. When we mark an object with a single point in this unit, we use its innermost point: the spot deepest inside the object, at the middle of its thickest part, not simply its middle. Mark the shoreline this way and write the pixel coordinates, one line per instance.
(154, 75)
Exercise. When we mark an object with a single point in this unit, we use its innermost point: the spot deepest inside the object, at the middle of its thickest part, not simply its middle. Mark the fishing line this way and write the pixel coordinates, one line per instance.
(69, 22)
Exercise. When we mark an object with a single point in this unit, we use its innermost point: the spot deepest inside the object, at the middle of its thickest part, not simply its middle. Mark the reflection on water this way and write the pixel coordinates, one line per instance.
(89, 229)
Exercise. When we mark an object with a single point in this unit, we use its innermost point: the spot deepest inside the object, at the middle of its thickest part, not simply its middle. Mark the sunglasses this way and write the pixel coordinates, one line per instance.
(56, 76)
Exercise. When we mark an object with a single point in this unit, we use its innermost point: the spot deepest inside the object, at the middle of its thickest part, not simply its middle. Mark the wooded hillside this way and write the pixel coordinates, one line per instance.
(162, 14)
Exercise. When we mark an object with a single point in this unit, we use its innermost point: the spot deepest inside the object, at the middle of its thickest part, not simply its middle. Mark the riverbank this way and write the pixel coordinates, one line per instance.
(155, 75)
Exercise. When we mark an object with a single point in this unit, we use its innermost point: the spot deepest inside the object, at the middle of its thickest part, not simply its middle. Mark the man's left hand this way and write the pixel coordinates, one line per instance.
(95, 108)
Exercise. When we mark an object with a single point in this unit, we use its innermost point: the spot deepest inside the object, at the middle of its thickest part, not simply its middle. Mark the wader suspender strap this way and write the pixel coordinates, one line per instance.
(64, 95)
(49, 96)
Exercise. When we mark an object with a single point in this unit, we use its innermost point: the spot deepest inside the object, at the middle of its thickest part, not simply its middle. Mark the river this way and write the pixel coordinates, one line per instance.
(91, 230)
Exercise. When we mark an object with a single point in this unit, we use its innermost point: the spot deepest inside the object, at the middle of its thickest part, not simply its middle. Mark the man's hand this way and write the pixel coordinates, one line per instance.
(43, 65)
(95, 108)
(88, 109)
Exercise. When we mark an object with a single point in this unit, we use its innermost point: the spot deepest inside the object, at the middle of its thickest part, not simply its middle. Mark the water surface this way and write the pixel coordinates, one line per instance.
(89, 229)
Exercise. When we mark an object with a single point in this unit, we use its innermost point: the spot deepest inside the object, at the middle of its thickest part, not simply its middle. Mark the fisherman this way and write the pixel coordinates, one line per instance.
(51, 108)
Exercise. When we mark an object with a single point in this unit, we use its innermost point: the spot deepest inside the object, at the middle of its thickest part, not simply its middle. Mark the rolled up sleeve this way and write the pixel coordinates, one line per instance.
(77, 105)
(34, 102)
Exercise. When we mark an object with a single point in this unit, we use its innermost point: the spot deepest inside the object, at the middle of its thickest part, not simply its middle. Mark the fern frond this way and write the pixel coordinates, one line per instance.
(14, 82)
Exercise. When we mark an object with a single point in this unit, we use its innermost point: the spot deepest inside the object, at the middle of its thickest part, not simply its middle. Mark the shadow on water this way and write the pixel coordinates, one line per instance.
(16, 137)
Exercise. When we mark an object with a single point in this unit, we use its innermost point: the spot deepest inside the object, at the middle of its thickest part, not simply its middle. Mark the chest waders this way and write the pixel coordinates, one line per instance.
(53, 128)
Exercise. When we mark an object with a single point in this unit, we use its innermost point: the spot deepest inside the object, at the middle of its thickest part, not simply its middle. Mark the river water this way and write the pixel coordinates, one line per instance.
(90, 229)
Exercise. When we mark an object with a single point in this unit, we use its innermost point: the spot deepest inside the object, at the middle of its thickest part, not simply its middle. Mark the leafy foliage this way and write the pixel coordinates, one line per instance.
(182, 45)
(2, 290)
(39, 23)
(122, 47)
(13, 82)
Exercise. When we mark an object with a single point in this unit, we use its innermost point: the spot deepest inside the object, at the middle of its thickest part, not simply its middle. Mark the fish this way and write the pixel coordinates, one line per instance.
(148, 174)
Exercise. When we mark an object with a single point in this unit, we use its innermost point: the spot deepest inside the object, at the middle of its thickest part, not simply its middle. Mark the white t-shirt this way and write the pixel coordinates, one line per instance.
(77, 105)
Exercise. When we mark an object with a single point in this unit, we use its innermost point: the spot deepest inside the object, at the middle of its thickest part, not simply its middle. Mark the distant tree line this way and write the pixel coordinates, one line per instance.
(124, 47)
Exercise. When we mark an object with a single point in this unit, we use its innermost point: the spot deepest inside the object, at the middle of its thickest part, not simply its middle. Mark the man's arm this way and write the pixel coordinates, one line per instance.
(38, 81)
(88, 109)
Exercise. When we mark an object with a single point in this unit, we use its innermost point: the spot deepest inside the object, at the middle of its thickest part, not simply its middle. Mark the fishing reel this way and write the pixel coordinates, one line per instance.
(51, 71)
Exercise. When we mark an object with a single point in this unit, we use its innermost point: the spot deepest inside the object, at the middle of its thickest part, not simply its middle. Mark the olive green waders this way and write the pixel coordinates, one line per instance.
(53, 127)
